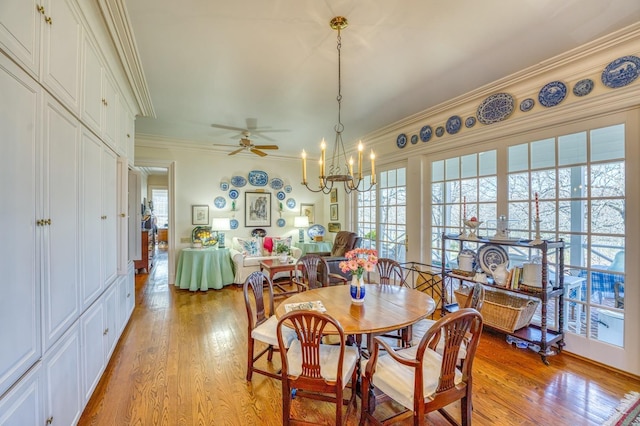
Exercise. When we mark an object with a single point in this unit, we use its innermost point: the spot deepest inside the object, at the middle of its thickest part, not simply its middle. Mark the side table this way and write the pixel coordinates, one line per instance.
(202, 269)
(272, 266)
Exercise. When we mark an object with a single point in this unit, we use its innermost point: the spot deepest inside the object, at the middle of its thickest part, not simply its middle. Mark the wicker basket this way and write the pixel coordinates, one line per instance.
(504, 311)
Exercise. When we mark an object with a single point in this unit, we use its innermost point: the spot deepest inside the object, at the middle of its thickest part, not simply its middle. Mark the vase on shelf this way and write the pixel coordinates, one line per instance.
(357, 289)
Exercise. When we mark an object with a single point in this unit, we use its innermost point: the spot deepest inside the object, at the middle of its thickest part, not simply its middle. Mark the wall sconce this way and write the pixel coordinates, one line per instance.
(301, 222)
(221, 224)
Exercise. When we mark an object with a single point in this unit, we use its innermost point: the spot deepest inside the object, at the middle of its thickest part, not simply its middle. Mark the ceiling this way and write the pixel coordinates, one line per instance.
(223, 62)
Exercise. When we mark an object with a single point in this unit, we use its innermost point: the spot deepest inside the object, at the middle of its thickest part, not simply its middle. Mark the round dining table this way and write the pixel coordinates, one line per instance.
(385, 307)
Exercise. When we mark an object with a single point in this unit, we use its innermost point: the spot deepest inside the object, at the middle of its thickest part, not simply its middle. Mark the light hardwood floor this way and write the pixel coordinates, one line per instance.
(182, 358)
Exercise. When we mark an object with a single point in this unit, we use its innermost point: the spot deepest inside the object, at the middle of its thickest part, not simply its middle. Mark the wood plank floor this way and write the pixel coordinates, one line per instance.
(181, 361)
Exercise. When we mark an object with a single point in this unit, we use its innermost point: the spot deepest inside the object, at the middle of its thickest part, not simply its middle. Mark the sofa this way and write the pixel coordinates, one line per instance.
(247, 253)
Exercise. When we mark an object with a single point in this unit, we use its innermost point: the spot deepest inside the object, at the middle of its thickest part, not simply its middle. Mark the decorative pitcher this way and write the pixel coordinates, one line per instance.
(357, 289)
(500, 273)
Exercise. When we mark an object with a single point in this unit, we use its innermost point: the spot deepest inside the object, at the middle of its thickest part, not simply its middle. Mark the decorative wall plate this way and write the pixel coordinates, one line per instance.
(621, 72)
(583, 87)
(258, 178)
(276, 183)
(401, 140)
(258, 232)
(219, 202)
(552, 94)
(291, 203)
(281, 222)
(470, 122)
(496, 107)
(288, 188)
(281, 195)
(491, 254)
(527, 104)
(425, 133)
(439, 131)
(234, 223)
(224, 186)
(454, 123)
(238, 181)
(414, 139)
(315, 230)
(233, 194)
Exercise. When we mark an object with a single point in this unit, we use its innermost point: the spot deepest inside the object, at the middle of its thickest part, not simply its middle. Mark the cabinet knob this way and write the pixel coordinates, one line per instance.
(39, 222)
(48, 20)
(40, 8)
(50, 420)
(106, 331)
(103, 217)
(123, 215)
(48, 221)
(128, 135)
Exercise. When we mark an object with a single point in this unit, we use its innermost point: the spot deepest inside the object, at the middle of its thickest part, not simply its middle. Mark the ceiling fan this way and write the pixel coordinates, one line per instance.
(247, 145)
(252, 128)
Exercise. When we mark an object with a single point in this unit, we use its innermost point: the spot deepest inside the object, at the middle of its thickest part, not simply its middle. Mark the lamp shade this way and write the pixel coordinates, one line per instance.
(221, 224)
(300, 221)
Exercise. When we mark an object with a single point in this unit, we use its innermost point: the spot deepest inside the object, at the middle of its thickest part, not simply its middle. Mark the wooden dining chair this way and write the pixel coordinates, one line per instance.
(421, 379)
(314, 370)
(262, 324)
(312, 271)
(389, 271)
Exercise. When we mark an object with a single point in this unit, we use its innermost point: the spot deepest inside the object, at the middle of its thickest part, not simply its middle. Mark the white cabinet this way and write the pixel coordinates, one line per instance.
(126, 297)
(44, 37)
(24, 403)
(122, 173)
(58, 220)
(109, 191)
(20, 327)
(112, 330)
(93, 328)
(63, 390)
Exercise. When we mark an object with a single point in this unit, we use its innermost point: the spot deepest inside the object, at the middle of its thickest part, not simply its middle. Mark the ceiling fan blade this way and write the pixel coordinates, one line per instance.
(266, 146)
(222, 126)
(236, 151)
(257, 151)
(266, 130)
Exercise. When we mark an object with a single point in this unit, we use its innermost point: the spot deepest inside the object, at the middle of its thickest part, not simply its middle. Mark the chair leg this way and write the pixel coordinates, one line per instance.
(339, 407)
(270, 356)
(250, 360)
(465, 406)
(364, 409)
(286, 402)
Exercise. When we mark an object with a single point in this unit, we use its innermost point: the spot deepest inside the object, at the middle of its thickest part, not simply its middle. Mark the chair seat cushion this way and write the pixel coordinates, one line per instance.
(267, 333)
(396, 380)
(420, 328)
(329, 357)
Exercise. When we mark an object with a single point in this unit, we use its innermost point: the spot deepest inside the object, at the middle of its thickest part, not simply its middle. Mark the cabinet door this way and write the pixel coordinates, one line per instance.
(91, 207)
(24, 404)
(60, 244)
(62, 38)
(112, 332)
(20, 300)
(20, 26)
(122, 220)
(131, 146)
(92, 101)
(111, 110)
(131, 291)
(109, 239)
(63, 391)
(93, 342)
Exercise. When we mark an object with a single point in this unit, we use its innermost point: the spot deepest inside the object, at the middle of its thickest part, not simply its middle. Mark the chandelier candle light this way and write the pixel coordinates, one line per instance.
(358, 261)
(340, 169)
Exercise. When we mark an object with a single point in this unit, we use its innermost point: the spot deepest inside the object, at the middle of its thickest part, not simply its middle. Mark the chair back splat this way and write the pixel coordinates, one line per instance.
(390, 271)
(311, 272)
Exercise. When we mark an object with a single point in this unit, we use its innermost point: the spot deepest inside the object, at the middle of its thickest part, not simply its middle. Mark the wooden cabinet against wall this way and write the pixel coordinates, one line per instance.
(146, 262)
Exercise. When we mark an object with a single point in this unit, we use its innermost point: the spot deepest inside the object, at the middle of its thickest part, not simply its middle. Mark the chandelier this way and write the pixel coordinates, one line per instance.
(340, 169)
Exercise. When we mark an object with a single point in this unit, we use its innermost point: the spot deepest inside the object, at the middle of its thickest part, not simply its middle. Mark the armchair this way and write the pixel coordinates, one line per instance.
(344, 242)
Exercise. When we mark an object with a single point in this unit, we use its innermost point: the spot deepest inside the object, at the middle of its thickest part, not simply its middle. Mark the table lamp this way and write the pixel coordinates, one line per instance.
(221, 224)
(301, 222)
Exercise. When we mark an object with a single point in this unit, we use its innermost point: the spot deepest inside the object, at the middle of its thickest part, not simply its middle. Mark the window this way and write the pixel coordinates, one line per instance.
(160, 197)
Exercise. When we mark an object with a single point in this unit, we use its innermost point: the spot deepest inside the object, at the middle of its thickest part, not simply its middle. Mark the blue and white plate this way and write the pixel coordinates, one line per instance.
(425, 133)
(258, 178)
(288, 188)
(552, 94)
(234, 223)
(224, 186)
(470, 122)
(414, 139)
(496, 107)
(276, 183)
(258, 232)
(233, 194)
(315, 230)
(621, 72)
(219, 202)
(454, 123)
(401, 140)
(583, 87)
(527, 104)
(291, 203)
(238, 181)
(491, 254)
(439, 131)
(281, 195)
(281, 222)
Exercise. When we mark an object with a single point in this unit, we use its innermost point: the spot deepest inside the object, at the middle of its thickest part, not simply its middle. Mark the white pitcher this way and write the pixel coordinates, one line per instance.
(500, 273)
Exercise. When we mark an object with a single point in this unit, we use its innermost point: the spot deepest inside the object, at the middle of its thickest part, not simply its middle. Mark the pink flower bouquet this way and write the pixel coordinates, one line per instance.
(359, 260)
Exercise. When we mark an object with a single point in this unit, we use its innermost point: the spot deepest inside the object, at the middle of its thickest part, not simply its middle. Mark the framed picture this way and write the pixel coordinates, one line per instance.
(333, 212)
(257, 210)
(333, 195)
(333, 227)
(308, 210)
(199, 214)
